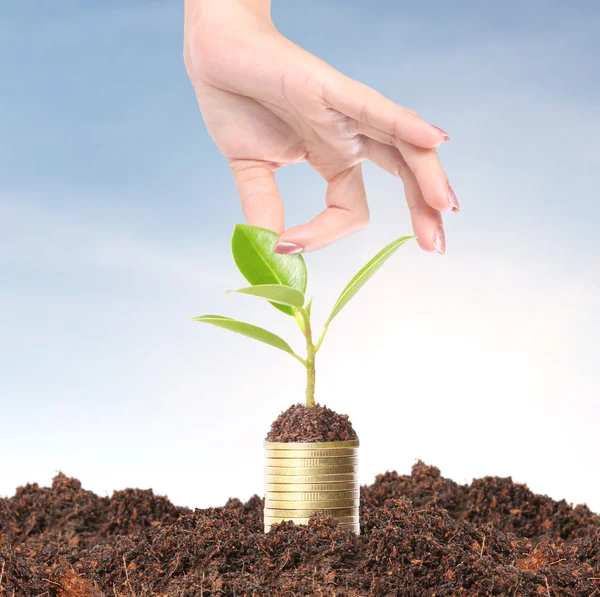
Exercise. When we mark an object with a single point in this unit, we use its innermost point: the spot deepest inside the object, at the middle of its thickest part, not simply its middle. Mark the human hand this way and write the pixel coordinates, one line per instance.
(268, 103)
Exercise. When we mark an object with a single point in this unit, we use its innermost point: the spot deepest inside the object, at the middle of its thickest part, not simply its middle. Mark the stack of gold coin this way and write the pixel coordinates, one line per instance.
(302, 479)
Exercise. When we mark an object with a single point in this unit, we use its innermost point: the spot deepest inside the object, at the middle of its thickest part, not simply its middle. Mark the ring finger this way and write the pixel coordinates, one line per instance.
(426, 220)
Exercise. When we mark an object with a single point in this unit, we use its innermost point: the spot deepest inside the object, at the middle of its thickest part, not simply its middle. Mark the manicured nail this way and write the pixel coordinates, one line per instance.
(445, 135)
(452, 200)
(284, 248)
(439, 244)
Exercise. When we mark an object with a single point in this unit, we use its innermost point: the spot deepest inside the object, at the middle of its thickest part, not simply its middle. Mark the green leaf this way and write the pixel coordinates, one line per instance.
(365, 274)
(309, 307)
(254, 254)
(247, 329)
(276, 293)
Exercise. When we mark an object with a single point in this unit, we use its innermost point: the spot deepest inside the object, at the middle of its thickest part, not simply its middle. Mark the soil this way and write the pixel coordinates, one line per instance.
(422, 535)
(316, 424)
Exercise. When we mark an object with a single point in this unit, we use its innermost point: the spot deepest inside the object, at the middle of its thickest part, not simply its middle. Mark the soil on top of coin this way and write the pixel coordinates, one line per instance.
(422, 536)
(316, 424)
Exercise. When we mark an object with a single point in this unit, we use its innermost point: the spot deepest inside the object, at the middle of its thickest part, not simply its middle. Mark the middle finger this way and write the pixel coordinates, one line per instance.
(425, 165)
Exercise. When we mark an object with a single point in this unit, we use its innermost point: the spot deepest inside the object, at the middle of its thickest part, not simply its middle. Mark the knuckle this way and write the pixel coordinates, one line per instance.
(321, 81)
(314, 82)
(364, 112)
(397, 128)
(259, 196)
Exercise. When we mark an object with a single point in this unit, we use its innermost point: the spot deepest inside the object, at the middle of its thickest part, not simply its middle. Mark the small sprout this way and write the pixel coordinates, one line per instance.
(282, 280)
(254, 254)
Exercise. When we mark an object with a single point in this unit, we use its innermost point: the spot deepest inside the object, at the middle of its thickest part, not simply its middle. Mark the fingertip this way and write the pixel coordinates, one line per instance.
(327, 228)
(441, 197)
(428, 136)
(428, 227)
(424, 244)
(439, 241)
(436, 245)
(444, 136)
(452, 200)
(288, 248)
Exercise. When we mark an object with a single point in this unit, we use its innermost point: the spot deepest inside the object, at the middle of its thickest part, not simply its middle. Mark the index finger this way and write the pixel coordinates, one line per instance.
(261, 202)
(364, 104)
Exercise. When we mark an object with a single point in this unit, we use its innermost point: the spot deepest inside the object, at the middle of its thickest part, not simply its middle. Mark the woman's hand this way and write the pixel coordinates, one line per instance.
(268, 103)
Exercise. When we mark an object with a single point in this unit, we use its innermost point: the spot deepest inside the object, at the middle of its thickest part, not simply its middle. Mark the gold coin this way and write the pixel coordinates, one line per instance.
(353, 443)
(327, 453)
(336, 513)
(312, 496)
(302, 462)
(321, 470)
(311, 462)
(291, 487)
(310, 479)
(353, 528)
(270, 521)
(304, 505)
(304, 520)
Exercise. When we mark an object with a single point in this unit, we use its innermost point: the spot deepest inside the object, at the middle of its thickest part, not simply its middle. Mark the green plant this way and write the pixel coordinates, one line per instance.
(282, 280)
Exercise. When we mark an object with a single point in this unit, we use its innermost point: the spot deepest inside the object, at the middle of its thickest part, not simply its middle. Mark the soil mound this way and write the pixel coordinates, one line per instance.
(422, 535)
(316, 424)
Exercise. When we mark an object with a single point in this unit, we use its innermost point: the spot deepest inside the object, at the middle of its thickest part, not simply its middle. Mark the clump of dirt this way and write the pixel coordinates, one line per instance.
(67, 514)
(489, 502)
(316, 424)
(422, 536)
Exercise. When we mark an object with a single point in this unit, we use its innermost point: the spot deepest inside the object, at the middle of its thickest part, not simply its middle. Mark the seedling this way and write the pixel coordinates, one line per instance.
(282, 280)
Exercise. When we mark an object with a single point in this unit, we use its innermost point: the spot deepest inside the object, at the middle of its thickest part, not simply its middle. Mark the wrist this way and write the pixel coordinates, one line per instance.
(218, 33)
(260, 8)
(211, 9)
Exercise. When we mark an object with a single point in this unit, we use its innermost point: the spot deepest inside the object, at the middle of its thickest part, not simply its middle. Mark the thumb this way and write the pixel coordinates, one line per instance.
(347, 212)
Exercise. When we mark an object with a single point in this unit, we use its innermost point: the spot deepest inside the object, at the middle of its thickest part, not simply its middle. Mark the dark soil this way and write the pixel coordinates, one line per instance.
(316, 424)
(422, 535)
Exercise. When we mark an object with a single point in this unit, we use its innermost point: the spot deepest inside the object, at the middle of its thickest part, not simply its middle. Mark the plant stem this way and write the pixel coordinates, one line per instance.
(310, 358)
(310, 369)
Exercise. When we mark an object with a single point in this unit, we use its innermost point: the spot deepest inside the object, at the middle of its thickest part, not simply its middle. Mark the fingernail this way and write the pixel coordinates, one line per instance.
(445, 135)
(284, 248)
(452, 200)
(439, 244)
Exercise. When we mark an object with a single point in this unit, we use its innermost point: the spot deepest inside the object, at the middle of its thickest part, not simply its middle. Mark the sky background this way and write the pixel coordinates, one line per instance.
(116, 212)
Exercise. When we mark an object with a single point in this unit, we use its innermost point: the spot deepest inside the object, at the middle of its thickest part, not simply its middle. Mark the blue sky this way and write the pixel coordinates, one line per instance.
(115, 217)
